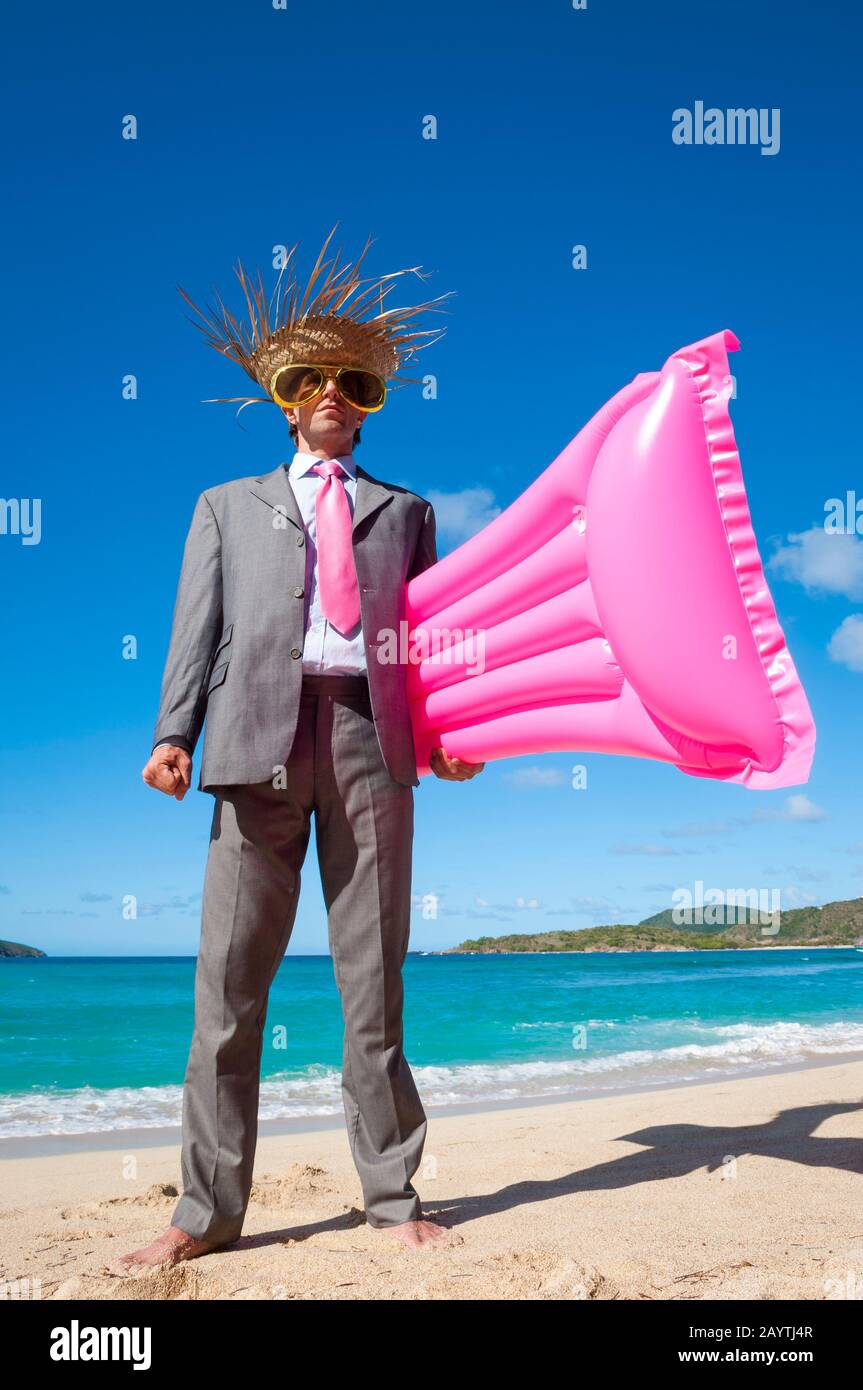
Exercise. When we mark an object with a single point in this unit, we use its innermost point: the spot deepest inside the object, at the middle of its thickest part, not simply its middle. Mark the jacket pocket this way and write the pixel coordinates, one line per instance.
(218, 676)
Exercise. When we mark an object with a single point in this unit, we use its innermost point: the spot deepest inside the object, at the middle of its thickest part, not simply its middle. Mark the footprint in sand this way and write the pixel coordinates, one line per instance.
(301, 1182)
(539, 1275)
(178, 1283)
(159, 1194)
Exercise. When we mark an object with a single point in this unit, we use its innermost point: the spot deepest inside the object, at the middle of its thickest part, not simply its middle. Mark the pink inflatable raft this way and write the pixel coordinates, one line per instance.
(619, 605)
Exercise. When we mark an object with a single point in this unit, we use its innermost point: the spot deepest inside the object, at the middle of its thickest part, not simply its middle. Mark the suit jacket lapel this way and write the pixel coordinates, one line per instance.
(275, 489)
(371, 495)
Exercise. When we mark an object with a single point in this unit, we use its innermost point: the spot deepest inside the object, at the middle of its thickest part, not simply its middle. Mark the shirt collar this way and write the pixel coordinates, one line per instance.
(302, 463)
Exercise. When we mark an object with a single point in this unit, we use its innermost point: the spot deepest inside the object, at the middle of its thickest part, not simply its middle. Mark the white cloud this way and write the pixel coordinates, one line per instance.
(811, 875)
(846, 644)
(460, 515)
(792, 896)
(597, 909)
(796, 808)
(799, 807)
(535, 777)
(822, 562)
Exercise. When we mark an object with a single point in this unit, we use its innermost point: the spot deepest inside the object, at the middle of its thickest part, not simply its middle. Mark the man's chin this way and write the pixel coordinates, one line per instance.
(334, 437)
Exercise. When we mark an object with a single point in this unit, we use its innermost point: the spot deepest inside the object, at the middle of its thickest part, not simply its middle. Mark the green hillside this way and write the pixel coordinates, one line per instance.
(11, 950)
(835, 924)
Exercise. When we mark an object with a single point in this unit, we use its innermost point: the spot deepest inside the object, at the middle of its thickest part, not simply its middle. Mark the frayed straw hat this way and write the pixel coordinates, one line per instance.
(338, 319)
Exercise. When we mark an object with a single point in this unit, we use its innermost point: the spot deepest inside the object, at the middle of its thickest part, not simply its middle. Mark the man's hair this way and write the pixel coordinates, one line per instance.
(295, 435)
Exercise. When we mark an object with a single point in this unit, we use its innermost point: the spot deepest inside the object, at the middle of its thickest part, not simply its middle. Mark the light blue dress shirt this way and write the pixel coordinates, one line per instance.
(326, 651)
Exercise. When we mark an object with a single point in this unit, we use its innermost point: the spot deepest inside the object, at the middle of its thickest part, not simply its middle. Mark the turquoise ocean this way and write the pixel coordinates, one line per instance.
(95, 1045)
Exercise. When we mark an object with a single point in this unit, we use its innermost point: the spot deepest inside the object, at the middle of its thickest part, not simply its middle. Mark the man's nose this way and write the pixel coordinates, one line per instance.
(330, 388)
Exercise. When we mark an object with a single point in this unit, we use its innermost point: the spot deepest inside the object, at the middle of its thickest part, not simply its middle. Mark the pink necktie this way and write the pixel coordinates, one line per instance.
(337, 574)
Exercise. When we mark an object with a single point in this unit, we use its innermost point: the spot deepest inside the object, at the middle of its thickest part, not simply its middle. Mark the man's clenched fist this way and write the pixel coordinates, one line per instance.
(169, 770)
(452, 769)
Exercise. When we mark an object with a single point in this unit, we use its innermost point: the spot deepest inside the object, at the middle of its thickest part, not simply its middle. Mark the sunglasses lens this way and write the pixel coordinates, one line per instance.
(362, 389)
(296, 385)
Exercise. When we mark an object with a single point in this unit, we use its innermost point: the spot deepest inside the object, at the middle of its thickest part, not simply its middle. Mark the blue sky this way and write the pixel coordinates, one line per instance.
(258, 127)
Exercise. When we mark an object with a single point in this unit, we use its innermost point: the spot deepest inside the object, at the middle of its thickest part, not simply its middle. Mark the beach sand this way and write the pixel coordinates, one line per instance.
(738, 1189)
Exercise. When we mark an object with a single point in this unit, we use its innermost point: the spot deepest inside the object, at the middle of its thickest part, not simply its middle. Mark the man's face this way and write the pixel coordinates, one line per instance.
(327, 422)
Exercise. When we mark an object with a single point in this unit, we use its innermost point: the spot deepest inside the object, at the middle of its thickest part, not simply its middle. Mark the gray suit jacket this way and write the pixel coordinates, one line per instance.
(239, 622)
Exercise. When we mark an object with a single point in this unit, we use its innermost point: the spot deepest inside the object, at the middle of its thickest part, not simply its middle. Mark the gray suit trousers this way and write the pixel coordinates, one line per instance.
(260, 833)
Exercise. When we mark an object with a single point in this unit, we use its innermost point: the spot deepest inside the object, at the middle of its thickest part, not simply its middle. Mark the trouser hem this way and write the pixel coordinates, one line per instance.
(412, 1213)
(215, 1233)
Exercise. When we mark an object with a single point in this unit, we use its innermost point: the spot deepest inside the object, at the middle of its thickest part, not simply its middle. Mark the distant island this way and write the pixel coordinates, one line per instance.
(11, 950)
(834, 924)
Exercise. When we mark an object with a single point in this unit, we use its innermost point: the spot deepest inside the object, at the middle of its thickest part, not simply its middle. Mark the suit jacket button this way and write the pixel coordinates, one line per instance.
(295, 652)
(301, 540)
(298, 593)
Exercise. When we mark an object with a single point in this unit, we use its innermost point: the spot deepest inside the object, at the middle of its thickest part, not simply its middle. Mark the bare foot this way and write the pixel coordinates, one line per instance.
(169, 1249)
(417, 1233)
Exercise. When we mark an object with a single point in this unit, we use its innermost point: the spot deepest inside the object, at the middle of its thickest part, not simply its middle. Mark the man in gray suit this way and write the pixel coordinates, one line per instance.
(291, 582)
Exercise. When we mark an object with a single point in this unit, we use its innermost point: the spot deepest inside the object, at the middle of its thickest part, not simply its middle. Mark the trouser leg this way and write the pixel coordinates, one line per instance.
(364, 830)
(257, 847)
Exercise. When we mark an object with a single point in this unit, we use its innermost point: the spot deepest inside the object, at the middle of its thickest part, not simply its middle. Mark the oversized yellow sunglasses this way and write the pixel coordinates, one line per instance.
(301, 383)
